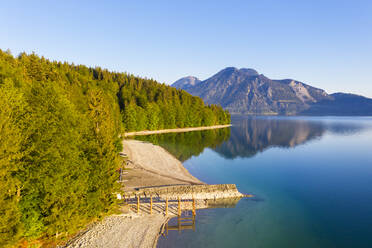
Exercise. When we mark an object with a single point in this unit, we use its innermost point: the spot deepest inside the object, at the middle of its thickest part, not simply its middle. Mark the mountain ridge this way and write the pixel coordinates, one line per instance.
(245, 91)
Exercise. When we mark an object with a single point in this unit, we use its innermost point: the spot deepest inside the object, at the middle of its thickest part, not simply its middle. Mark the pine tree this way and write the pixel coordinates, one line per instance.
(12, 107)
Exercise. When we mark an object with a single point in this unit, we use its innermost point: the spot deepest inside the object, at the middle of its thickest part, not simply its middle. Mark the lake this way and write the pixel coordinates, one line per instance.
(311, 178)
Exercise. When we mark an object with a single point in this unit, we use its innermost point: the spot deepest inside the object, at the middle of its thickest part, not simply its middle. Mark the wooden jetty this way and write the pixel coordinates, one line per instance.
(172, 200)
(148, 204)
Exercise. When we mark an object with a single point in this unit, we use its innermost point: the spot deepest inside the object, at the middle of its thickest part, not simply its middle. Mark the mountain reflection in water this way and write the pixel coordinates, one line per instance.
(251, 135)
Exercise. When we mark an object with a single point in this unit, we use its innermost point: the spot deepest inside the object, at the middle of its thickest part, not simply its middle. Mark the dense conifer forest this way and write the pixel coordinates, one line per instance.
(60, 129)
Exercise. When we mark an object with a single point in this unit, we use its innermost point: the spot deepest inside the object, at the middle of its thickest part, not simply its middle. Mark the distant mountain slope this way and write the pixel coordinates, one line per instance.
(186, 82)
(342, 104)
(245, 91)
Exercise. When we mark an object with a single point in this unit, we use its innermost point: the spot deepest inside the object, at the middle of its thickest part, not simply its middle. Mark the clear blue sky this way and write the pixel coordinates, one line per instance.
(327, 44)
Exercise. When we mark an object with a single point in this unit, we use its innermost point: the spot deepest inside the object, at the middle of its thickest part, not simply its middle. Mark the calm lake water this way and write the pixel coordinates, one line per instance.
(311, 177)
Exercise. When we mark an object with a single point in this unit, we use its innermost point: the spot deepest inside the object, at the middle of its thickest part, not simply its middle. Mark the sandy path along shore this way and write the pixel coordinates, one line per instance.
(158, 163)
(175, 130)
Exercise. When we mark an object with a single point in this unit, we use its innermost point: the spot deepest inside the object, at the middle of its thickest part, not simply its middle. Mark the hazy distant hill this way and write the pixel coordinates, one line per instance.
(186, 82)
(245, 91)
(342, 104)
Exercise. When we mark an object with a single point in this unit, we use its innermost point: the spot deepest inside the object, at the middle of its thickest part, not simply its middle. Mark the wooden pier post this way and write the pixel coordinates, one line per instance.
(151, 204)
(193, 223)
(138, 204)
(193, 207)
(179, 206)
(179, 223)
(166, 206)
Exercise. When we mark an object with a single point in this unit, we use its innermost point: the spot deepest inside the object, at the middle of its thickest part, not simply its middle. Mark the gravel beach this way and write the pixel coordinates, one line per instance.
(122, 231)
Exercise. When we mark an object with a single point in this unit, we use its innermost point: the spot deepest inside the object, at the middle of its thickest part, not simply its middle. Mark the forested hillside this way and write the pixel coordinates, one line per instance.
(149, 105)
(59, 138)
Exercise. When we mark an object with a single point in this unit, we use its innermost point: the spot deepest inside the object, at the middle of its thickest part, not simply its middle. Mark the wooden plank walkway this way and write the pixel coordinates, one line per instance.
(150, 205)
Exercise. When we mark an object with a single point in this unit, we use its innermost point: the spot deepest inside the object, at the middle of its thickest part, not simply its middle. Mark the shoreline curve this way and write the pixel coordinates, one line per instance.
(175, 130)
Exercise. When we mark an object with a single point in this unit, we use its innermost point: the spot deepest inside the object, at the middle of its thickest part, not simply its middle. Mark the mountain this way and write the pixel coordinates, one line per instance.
(245, 91)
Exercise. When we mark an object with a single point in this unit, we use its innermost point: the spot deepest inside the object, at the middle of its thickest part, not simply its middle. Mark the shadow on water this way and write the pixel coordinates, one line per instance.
(187, 221)
(185, 145)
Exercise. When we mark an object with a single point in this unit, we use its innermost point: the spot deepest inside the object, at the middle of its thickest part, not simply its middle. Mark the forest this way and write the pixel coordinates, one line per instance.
(148, 105)
(60, 133)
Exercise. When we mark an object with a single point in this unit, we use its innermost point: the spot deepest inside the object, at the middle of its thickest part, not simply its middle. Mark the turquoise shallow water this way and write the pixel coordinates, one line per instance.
(312, 178)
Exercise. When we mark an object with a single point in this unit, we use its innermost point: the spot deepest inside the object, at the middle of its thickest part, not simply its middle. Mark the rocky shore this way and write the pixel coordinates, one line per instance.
(122, 231)
(198, 192)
